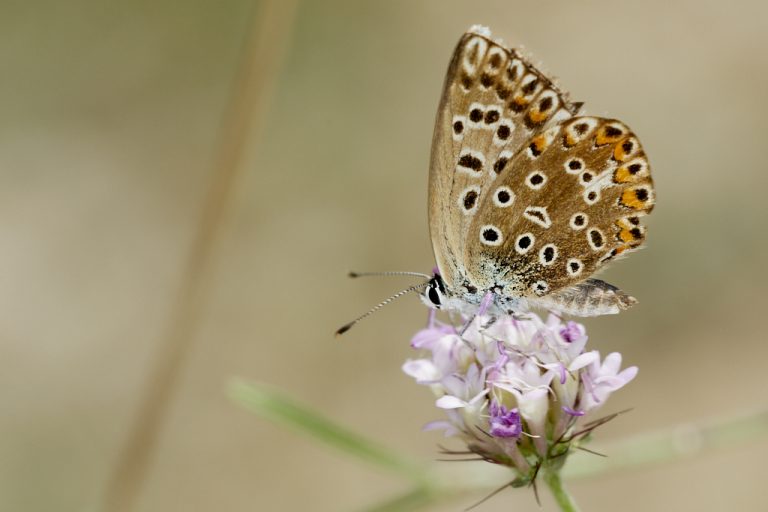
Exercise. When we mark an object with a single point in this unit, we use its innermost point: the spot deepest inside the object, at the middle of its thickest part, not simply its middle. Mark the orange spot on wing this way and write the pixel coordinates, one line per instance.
(607, 134)
(630, 198)
(569, 140)
(520, 102)
(536, 117)
(626, 235)
(622, 175)
(540, 143)
(619, 153)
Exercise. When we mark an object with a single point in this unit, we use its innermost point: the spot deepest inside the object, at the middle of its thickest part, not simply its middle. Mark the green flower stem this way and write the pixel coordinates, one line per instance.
(281, 409)
(679, 442)
(441, 482)
(562, 497)
(416, 499)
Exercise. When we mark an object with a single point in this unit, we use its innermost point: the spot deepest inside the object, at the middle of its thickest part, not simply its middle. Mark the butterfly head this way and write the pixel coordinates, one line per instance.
(435, 294)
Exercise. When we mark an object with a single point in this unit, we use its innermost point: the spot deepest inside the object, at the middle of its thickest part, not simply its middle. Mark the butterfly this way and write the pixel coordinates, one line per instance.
(527, 198)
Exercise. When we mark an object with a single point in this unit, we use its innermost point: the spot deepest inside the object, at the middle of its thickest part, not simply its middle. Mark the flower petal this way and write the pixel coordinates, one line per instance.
(448, 427)
(450, 402)
(611, 364)
(584, 360)
(423, 370)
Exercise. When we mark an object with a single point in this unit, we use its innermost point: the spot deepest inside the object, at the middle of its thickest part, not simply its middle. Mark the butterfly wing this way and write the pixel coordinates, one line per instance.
(579, 191)
(493, 102)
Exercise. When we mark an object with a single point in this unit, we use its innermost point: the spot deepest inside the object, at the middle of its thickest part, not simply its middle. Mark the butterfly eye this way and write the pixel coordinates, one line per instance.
(434, 296)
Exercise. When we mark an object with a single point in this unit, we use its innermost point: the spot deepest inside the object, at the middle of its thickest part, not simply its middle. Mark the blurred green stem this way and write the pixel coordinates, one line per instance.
(680, 441)
(281, 409)
(442, 482)
(262, 54)
(562, 497)
(415, 499)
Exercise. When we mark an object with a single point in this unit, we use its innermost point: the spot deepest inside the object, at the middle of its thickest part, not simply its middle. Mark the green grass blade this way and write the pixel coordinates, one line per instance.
(281, 409)
(656, 448)
(415, 499)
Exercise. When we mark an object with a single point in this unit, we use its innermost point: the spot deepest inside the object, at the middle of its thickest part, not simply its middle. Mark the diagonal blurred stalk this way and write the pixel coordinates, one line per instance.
(668, 445)
(562, 497)
(265, 46)
(282, 409)
(436, 483)
(416, 499)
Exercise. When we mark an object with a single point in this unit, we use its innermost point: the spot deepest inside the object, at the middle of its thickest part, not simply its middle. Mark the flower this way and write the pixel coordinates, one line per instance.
(505, 422)
(513, 389)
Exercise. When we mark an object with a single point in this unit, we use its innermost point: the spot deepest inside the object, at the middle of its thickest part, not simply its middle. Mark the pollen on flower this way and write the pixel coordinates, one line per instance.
(514, 389)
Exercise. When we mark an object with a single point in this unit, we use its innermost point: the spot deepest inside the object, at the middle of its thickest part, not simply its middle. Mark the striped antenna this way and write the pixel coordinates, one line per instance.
(346, 327)
(395, 273)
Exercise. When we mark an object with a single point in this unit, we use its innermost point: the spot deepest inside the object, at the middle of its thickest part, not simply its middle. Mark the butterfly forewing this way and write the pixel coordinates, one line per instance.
(493, 103)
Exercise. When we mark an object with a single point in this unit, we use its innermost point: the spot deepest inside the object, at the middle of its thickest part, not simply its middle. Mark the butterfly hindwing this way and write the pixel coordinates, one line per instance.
(580, 189)
(493, 103)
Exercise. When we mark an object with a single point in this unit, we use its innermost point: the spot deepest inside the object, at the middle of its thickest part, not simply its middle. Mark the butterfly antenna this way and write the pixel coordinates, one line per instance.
(346, 327)
(367, 274)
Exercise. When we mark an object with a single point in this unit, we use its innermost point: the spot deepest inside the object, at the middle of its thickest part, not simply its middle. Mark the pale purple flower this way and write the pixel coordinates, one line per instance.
(572, 331)
(505, 422)
(604, 378)
(514, 389)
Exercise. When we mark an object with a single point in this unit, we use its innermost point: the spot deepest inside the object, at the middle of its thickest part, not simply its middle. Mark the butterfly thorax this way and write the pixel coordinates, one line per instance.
(467, 298)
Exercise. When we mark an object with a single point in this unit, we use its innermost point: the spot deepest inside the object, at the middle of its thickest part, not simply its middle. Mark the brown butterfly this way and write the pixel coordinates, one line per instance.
(527, 199)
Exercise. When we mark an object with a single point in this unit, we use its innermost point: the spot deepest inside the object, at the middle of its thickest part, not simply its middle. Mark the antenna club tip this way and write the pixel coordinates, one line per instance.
(353, 274)
(343, 329)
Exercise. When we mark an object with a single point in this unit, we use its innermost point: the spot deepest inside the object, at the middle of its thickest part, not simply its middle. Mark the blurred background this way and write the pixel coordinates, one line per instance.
(115, 125)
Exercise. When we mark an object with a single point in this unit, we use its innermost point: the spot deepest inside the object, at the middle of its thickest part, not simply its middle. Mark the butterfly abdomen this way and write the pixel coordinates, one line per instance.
(592, 297)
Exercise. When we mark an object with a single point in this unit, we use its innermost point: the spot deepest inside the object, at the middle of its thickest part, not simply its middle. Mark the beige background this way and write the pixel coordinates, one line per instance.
(108, 131)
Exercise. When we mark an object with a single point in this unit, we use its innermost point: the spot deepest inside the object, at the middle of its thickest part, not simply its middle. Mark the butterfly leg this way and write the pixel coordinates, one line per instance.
(431, 318)
(481, 310)
(492, 320)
